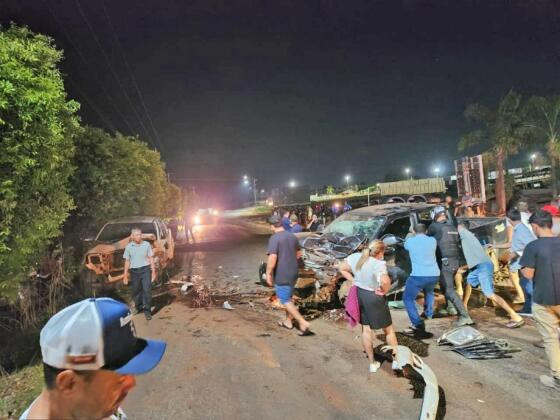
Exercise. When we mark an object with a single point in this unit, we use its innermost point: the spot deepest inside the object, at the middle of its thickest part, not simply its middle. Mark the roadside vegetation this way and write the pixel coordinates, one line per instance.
(59, 182)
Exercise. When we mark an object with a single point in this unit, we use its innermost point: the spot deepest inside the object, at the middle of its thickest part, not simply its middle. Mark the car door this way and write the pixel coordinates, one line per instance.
(397, 255)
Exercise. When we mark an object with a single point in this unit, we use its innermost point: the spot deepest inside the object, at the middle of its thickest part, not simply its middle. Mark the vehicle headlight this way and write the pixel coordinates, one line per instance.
(196, 220)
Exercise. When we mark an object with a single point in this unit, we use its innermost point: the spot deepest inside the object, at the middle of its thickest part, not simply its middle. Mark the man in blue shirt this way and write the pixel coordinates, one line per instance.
(424, 276)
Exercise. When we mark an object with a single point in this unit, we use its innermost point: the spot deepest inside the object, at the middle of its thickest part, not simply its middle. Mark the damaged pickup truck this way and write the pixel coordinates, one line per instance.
(104, 263)
(319, 281)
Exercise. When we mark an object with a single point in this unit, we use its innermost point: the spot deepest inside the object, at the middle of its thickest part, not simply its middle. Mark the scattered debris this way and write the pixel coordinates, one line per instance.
(185, 287)
(226, 305)
(235, 277)
(481, 401)
(472, 344)
(460, 336)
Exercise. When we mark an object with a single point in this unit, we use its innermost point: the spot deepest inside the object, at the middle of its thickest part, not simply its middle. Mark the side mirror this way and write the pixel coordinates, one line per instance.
(390, 240)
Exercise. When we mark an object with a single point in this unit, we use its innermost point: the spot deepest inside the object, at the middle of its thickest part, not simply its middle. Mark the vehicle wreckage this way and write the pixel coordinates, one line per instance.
(103, 263)
(320, 282)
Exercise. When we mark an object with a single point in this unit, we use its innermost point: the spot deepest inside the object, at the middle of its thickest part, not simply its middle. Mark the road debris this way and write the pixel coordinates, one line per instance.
(226, 305)
(185, 287)
(472, 344)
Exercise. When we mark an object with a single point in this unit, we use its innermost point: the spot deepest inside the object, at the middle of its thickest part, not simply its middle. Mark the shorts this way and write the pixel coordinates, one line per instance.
(483, 275)
(374, 310)
(284, 292)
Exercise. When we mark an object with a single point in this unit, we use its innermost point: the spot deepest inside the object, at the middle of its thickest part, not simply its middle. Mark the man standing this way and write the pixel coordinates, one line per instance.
(482, 272)
(90, 356)
(139, 260)
(541, 264)
(449, 247)
(424, 276)
(282, 272)
(522, 236)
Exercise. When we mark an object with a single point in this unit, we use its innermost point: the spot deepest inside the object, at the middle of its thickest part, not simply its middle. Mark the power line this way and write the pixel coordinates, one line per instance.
(93, 106)
(138, 91)
(114, 73)
(82, 58)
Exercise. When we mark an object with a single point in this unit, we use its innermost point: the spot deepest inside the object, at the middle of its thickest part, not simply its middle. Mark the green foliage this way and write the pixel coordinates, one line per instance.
(119, 176)
(330, 190)
(37, 124)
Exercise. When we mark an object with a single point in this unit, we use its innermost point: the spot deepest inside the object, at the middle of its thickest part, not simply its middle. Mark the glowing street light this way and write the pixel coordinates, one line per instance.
(292, 184)
(436, 170)
(347, 178)
(248, 182)
(407, 172)
(533, 157)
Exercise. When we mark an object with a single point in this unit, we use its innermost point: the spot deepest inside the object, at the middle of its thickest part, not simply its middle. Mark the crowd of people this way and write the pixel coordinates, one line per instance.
(440, 253)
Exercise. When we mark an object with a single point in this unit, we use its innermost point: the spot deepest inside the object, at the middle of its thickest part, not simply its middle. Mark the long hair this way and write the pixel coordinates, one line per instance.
(374, 248)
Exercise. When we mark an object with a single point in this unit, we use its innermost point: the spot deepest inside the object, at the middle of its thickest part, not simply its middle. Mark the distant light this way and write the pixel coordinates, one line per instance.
(533, 156)
(436, 170)
(246, 181)
(347, 178)
(262, 191)
(245, 177)
(292, 184)
(336, 205)
(196, 220)
(215, 212)
(407, 170)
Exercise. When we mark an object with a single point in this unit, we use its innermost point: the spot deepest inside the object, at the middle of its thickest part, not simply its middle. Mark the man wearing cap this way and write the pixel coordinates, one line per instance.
(90, 357)
(450, 255)
(139, 261)
(555, 213)
(282, 272)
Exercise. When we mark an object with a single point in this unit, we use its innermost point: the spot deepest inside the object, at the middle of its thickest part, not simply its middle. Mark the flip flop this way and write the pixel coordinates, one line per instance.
(515, 324)
(281, 324)
(305, 333)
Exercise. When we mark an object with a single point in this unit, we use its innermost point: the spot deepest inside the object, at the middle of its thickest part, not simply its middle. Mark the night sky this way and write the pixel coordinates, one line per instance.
(304, 90)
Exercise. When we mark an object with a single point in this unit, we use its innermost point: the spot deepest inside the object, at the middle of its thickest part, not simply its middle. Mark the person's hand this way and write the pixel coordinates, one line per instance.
(125, 279)
(154, 275)
(269, 280)
(379, 292)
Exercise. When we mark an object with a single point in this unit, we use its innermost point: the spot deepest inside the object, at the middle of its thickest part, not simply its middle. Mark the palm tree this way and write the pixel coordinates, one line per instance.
(504, 130)
(544, 116)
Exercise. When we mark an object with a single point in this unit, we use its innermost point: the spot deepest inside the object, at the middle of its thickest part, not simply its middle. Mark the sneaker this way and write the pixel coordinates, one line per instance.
(415, 329)
(464, 320)
(550, 382)
(424, 316)
(451, 310)
(374, 366)
(148, 316)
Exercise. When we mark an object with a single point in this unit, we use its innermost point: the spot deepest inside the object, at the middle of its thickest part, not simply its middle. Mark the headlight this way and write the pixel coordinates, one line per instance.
(196, 220)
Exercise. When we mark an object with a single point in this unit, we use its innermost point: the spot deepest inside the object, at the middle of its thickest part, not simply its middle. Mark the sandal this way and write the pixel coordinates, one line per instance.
(305, 333)
(282, 324)
(515, 324)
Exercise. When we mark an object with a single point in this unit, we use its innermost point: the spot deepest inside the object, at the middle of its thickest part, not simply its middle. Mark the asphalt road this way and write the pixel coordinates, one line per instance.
(239, 364)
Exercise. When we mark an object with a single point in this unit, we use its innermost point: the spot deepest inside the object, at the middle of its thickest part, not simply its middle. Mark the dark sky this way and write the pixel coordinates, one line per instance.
(304, 90)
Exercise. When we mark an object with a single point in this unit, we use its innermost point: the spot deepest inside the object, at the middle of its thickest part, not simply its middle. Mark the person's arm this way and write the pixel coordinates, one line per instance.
(528, 262)
(126, 257)
(346, 271)
(528, 273)
(270, 265)
(152, 262)
(384, 283)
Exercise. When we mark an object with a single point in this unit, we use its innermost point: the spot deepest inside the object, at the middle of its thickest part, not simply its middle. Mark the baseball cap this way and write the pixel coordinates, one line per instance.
(551, 209)
(98, 333)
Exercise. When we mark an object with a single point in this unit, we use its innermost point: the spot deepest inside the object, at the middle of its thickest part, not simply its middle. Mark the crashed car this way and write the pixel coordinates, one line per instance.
(104, 263)
(355, 229)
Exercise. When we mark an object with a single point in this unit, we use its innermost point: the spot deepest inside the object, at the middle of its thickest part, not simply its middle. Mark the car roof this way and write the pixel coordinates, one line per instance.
(134, 219)
(391, 208)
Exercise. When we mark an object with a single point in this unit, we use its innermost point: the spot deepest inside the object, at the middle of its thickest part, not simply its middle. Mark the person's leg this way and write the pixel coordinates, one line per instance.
(293, 313)
(515, 280)
(429, 297)
(547, 319)
(136, 284)
(413, 286)
(458, 277)
(527, 286)
(390, 336)
(147, 291)
(367, 342)
(485, 272)
(448, 272)
(467, 295)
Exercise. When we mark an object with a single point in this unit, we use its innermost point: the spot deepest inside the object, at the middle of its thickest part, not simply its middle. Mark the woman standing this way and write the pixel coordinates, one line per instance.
(368, 272)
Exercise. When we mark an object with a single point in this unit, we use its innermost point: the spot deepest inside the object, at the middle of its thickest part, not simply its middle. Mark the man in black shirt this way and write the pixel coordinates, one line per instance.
(541, 264)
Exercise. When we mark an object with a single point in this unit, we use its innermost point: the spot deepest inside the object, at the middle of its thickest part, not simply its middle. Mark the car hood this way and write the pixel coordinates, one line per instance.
(108, 248)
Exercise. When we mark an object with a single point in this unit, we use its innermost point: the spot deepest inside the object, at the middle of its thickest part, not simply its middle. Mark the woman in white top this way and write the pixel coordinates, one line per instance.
(368, 272)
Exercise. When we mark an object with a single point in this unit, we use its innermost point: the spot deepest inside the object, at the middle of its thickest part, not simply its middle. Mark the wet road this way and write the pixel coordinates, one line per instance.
(238, 364)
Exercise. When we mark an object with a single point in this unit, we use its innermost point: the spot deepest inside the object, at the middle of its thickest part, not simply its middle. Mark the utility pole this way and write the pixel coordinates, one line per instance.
(255, 190)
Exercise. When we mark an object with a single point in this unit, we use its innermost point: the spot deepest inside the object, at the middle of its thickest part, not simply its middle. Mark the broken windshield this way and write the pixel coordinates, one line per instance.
(351, 224)
(116, 231)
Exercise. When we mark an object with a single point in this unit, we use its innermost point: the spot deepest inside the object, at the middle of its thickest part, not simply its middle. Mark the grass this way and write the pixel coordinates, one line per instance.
(19, 389)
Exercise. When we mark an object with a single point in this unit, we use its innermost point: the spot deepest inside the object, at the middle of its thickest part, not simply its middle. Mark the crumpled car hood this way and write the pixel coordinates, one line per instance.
(107, 248)
(323, 250)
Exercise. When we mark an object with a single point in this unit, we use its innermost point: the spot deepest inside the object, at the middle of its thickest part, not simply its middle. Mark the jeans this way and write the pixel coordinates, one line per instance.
(141, 281)
(547, 318)
(415, 284)
(527, 286)
(483, 275)
(449, 267)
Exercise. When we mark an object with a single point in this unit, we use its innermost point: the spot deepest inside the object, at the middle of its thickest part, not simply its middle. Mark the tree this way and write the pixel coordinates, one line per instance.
(117, 176)
(545, 120)
(37, 124)
(504, 130)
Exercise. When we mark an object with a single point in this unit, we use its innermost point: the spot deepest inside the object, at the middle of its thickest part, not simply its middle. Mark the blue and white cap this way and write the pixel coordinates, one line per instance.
(98, 334)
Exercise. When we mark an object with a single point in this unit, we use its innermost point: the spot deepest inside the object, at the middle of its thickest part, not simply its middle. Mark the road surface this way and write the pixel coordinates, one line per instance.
(239, 364)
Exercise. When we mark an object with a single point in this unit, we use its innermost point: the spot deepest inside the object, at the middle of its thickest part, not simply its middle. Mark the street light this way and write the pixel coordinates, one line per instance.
(292, 184)
(347, 178)
(253, 181)
(407, 172)
(533, 157)
(436, 170)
